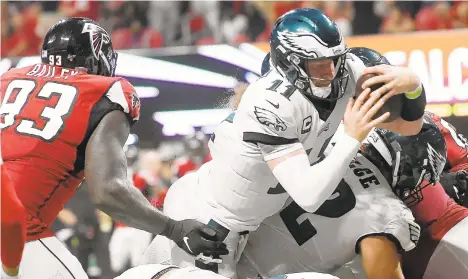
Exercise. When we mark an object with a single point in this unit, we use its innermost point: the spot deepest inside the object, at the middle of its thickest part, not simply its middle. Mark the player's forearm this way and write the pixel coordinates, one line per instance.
(403, 127)
(125, 203)
(383, 270)
(411, 118)
(310, 186)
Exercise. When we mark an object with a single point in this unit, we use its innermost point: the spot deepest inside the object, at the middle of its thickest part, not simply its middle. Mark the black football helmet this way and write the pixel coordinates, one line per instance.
(79, 42)
(195, 147)
(369, 56)
(410, 163)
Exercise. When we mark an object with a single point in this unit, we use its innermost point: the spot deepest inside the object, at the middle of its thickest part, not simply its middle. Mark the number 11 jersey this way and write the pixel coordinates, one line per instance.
(273, 119)
(47, 115)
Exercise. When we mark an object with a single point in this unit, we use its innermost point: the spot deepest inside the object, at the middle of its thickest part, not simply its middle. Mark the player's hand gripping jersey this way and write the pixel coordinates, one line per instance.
(47, 116)
(362, 205)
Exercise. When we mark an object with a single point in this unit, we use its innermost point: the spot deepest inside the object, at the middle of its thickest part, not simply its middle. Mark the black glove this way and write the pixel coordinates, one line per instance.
(455, 185)
(194, 237)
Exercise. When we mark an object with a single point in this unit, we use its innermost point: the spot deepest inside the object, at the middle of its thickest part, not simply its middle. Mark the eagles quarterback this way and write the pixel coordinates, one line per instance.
(325, 240)
(272, 146)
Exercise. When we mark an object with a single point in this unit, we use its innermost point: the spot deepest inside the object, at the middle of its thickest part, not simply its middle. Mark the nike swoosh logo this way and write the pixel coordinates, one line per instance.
(276, 106)
(186, 244)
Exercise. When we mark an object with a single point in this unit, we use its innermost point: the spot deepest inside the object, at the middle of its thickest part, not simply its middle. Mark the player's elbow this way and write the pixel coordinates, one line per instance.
(307, 204)
(104, 194)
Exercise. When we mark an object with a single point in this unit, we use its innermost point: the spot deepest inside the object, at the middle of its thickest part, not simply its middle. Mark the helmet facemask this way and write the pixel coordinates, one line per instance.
(414, 170)
(329, 88)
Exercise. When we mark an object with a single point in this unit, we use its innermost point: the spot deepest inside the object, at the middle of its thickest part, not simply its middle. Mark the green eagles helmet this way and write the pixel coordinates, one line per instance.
(265, 64)
(302, 36)
(369, 56)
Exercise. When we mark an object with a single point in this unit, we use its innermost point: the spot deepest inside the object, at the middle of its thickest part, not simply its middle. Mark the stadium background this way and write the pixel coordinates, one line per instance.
(184, 57)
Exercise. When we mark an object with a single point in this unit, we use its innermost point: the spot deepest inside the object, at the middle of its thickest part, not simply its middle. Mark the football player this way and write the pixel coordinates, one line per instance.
(365, 215)
(195, 154)
(282, 125)
(159, 271)
(454, 179)
(66, 118)
(444, 223)
(442, 251)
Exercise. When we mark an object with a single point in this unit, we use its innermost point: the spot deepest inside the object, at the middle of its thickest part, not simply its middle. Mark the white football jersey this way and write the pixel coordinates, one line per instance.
(273, 119)
(362, 205)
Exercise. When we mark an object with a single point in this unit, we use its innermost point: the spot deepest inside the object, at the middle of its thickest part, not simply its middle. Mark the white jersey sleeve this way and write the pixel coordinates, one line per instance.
(268, 120)
(402, 230)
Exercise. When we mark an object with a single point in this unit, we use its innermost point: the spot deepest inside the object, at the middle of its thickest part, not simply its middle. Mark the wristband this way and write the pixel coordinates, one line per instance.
(413, 108)
(415, 93)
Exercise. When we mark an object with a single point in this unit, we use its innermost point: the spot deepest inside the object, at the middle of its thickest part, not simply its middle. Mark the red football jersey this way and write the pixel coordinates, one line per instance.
(437, 213)
(185, 165)
(416, 261)
(457, 145)
(47, 115)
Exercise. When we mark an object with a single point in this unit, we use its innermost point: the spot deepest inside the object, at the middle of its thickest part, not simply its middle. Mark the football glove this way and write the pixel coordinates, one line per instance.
(455, 185)
(195, 238)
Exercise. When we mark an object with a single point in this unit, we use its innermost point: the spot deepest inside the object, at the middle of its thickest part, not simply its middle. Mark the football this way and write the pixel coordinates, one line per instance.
(393, 105)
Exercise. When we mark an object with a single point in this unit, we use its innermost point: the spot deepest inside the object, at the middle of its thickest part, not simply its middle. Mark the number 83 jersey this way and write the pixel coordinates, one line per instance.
(47, 115)
(362, 205)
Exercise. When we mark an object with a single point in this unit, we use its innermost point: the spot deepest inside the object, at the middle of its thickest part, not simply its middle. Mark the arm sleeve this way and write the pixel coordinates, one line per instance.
(123, 94)
(270, 124)
(310, 186)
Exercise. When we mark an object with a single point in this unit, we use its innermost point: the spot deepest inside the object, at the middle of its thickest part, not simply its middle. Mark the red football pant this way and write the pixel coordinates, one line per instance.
(13, 224)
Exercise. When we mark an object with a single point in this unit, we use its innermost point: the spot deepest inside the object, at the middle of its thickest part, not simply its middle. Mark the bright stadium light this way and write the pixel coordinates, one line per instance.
(184, 122)
(231, 55)
(5, 65)
(251, 77)
(150, 68)
(147, 91)
(28, 61)
(132, 139)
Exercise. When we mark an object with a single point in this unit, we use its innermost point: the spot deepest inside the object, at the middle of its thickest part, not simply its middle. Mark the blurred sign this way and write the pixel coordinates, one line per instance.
(440, 58)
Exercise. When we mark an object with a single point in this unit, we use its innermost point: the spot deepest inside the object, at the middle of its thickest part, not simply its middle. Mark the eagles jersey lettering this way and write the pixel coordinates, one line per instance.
(273, 119)
(362, 205)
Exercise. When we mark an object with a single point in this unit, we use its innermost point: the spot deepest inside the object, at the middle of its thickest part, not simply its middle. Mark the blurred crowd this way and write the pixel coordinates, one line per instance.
(106, 248)
(152, 24)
